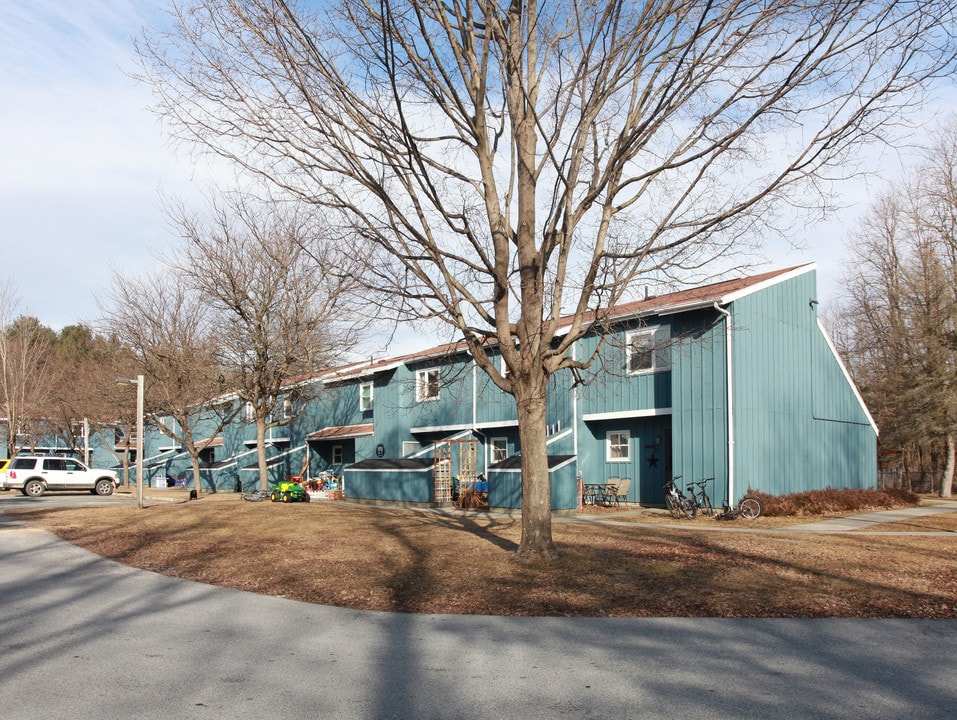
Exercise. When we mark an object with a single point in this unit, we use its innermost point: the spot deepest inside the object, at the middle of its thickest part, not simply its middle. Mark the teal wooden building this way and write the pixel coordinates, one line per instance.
(735, 381)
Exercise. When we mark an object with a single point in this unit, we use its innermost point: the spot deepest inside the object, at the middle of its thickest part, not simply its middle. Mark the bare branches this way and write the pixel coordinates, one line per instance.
(902, 305)
(28, 372)
(643, 129)
(279, 295)
(504, 164)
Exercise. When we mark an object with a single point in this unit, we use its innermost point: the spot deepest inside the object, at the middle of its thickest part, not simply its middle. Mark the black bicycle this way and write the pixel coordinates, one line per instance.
(676, 502)
(700, 498)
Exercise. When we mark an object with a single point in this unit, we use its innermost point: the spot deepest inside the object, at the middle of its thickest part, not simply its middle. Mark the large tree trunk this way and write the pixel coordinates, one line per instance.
(947, 481)
(197, 475)
(261, 454)
(536, 541)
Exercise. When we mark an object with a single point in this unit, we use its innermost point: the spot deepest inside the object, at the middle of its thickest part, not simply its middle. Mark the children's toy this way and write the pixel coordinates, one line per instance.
(289, 492)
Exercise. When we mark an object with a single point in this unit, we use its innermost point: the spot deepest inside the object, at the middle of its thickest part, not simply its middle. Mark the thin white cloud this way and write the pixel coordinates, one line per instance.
(81, 158)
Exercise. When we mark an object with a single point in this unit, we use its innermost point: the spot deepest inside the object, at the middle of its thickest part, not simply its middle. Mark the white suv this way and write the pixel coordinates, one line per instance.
(34, 475)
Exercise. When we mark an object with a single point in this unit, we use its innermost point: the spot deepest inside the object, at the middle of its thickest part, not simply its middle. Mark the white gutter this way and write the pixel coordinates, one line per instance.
(729, 362)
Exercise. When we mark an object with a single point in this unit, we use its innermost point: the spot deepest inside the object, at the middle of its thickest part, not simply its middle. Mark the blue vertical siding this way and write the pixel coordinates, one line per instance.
(699, 417)
(799, 425)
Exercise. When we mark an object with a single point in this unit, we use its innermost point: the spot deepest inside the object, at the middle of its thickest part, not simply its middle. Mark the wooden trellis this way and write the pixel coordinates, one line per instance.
(454, 458)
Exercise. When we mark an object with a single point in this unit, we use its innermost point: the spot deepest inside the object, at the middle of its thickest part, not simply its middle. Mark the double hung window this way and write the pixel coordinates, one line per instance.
(499, 450)
(649, 350)
(365, 396)
(618, 446)
(426, 385)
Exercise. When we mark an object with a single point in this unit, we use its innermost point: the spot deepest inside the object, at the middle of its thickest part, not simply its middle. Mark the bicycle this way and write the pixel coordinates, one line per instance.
(701, 499)
(749, 508)
(256, 495)
(677, 503)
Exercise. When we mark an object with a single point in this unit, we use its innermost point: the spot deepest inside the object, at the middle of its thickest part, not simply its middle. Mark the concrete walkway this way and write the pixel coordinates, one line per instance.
(860, 523)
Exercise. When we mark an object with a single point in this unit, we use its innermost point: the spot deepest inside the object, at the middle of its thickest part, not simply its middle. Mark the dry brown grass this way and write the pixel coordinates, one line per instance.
(424, 562)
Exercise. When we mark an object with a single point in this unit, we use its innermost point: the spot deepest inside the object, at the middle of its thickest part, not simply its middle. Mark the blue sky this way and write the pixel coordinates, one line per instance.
(82, 161)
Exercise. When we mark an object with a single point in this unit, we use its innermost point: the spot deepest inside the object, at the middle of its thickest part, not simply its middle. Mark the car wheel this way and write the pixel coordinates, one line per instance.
(103, 487)
(33, 488)
(273, 497)
(287, 497)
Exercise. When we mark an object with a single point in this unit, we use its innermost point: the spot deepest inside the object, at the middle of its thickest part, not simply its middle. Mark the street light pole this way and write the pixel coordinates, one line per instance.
(140, 440)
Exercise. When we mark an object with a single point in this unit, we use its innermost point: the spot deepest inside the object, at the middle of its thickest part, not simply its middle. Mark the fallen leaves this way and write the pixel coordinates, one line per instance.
(423, 562)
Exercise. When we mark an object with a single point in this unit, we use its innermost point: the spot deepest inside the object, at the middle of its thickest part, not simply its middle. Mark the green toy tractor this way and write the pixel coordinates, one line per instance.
(289, 492)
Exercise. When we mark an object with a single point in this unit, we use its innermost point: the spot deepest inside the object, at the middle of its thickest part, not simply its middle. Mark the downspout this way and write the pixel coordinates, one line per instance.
(729, 363)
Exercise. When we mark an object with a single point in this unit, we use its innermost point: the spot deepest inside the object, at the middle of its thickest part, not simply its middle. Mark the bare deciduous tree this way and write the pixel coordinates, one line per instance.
(901, 307)
(28, 373)
(508, 164)
(282, 316)
(172, 336)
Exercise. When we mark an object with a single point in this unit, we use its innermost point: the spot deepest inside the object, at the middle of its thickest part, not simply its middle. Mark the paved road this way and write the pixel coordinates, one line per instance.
(84, 637)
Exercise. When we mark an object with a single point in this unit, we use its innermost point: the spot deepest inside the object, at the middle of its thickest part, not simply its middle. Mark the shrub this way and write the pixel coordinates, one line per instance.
(829, 501)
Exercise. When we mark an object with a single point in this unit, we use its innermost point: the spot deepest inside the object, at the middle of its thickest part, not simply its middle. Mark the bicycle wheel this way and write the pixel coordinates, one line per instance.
(706, 505)
(672, 507)
(689, 508)
(750, 508)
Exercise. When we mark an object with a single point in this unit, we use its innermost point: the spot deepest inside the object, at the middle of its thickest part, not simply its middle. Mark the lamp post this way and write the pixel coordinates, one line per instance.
(139, 434)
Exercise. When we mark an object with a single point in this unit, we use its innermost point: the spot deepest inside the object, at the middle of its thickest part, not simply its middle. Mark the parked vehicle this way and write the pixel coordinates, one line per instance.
(34, 475)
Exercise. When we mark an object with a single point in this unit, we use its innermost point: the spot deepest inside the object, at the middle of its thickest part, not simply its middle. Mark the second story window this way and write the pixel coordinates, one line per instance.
(249, 412)
(649, 350)
(366, 394)
(426, 385)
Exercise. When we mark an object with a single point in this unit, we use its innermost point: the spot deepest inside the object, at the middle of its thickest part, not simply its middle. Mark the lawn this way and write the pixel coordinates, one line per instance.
(413, 561)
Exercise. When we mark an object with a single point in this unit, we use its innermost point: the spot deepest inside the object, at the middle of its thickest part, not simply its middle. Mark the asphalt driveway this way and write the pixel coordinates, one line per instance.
(84, 637)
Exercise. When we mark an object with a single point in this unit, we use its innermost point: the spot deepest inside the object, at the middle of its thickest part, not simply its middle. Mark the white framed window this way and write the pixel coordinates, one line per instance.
(409, 447)
(499, 449)
(617, 446)
(337, 454)
(249, 412)
(427, 385)
(286, 408)
(649, 350)
(366, 394)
